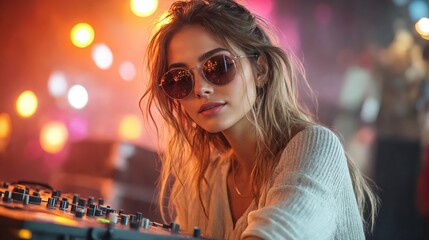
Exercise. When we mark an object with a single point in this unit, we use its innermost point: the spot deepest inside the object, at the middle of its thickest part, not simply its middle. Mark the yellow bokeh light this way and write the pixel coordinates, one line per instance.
(130, 127)
(26, 104)
(82, 35)
(53, 137)
(24, 234)
(143, 8)
(422, 27)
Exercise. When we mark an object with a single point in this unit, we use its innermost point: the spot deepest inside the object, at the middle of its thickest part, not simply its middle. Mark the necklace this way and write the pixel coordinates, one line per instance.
(235, 187)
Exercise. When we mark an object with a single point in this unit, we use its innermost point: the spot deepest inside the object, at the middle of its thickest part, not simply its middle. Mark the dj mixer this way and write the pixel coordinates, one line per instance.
(36, 211)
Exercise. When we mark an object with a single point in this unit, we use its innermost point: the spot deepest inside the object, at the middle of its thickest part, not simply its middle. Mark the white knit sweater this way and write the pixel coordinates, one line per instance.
(310, 196)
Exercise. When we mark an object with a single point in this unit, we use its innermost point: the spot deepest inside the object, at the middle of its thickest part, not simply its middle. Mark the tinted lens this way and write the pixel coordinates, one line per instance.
(219, 70)
(177, 83)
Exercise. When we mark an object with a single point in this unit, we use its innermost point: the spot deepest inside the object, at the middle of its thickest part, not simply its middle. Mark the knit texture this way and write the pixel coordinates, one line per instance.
(310, 196)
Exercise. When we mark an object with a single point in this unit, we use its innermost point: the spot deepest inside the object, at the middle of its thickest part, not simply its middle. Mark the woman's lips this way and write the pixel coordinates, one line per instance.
(211, 108)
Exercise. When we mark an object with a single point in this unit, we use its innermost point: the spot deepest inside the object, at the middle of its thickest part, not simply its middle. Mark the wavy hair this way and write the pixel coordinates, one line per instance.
(277, 114)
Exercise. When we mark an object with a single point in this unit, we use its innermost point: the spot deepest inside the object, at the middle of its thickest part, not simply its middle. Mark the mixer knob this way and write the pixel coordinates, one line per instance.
(134, 225)
(90, 201)
(175, 228)
(197, 232)
(75, 199)
(5, 185)
(36, 194)
(124, 219)
(139, 216)
(51, 203)
(81, 202)
(133, 218)
(64, 204)
(109, 211)
(79, 212)
(7, 196)
(90, 212)
(113, 218)
(145, 223)
(26, 199)
(103, 209)
(73, 208)
(20, 190)
(98, 212)
(56, 193)
(121, 211)
(100, 201)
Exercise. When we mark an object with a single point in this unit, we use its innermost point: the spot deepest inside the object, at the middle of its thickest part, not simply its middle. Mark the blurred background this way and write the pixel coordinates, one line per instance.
(72, 73)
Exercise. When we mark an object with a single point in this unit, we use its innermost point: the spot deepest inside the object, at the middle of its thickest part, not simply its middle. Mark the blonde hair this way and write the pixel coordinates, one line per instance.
(277, 107)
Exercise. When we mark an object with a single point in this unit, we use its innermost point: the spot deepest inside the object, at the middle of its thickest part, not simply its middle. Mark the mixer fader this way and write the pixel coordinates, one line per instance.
(36, 211)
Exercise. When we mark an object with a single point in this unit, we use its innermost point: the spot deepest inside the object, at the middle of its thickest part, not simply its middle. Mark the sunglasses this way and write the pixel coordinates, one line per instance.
(220, 70)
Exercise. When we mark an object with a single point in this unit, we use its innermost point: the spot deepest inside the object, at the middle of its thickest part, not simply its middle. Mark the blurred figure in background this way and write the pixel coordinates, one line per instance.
(423, 107)
(399, 76)
(358, 106)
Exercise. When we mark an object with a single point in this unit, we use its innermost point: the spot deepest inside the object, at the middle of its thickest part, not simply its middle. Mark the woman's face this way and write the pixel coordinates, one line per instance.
(215, 108)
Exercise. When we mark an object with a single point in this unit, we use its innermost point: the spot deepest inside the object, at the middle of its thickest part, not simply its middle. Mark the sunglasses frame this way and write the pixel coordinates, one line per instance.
(201, 72)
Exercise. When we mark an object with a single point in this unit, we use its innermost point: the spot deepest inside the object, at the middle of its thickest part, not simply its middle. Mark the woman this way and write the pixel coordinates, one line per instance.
(245, 159)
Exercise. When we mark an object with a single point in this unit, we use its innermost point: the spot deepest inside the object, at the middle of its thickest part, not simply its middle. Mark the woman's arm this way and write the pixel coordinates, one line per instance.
(302, 202)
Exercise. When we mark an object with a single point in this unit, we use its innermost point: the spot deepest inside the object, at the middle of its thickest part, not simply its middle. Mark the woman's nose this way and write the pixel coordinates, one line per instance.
(202, 87)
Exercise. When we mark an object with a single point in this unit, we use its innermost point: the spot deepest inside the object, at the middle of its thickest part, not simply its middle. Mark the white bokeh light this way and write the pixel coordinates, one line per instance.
(77, 97)
(57, 84)
(102, 56)
(127, 71)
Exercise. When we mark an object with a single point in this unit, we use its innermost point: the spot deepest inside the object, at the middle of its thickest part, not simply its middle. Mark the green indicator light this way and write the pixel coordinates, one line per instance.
(103, 220)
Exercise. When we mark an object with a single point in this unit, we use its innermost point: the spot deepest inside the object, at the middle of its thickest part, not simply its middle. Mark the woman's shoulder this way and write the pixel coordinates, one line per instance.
(314, 136)
(313, 146)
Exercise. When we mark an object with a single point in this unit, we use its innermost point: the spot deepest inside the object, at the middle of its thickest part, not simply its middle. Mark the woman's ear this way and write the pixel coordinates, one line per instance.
(261, 71)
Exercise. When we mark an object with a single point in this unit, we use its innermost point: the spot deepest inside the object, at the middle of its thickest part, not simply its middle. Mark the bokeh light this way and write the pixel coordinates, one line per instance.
(77, 96)
(24, 234)
(422, 27)
(78, 128)
(130, 127)
(143, 8)
(127, 71)
(5, 126)
(5, 130)
(26, 104)
(57, 84)
(53, 137)
(82, 35)
(102, 56)
(418, 9)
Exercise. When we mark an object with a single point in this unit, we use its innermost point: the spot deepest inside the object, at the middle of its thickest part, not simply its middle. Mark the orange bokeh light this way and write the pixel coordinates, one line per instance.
(53, 137)
(26, 104)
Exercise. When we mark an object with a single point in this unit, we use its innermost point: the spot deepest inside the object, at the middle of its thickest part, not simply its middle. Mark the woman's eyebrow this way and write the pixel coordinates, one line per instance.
(200, 58)
(211, 52)
(177, 65)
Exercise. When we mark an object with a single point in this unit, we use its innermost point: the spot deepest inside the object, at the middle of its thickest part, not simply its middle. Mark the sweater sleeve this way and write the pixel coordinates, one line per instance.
(301, 202)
